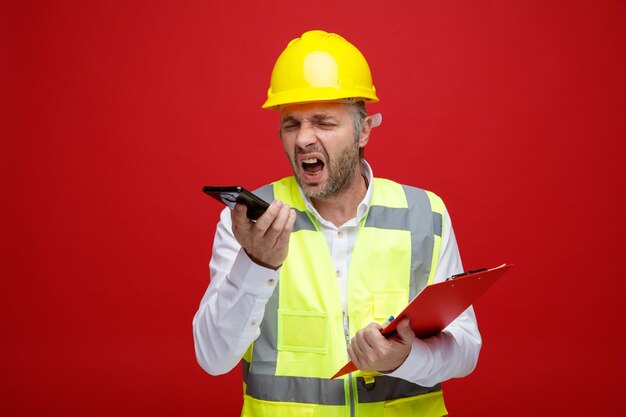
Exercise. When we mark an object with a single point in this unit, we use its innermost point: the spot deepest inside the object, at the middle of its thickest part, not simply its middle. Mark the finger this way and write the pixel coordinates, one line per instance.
(238, 216)
(357, 359)
(362, 347)
(266, 220)
(283, 238)
(357, 345)
(404, 331)
(277, 226)
(292, 220)
(354, 357)
(372, 335)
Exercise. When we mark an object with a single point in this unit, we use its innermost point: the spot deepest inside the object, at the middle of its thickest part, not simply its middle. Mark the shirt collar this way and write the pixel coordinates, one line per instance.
(363, 207)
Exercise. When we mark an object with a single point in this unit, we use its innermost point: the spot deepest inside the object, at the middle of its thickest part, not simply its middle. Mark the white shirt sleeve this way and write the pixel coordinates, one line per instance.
(232, 308)
(453, 353)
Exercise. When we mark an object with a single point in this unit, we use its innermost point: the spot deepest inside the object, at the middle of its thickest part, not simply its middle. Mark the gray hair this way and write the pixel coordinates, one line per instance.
(358, 112)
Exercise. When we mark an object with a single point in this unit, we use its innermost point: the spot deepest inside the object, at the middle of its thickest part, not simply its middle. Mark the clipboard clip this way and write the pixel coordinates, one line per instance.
(463, 274)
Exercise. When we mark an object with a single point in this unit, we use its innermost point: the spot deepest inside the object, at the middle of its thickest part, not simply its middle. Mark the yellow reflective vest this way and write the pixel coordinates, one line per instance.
(303, 341)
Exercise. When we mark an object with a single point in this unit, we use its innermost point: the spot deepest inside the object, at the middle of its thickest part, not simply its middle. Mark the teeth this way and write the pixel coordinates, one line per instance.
(310, 160)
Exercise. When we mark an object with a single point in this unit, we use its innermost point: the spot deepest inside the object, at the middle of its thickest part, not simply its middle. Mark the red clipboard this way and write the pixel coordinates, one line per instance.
(437, 305)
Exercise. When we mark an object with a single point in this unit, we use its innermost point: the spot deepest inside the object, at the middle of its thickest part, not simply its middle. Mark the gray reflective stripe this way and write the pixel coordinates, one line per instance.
(395, 218)
(437, 224)
(325, 391)
(264, 352)
(386, 388)
(303, 222)
(295, 389)
(422, 239)
(266, 192)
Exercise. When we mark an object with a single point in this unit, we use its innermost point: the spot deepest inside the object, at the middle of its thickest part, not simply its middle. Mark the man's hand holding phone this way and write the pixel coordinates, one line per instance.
(266, 241)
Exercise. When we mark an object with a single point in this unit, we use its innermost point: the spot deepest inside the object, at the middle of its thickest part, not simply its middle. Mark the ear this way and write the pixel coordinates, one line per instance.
(366, 129)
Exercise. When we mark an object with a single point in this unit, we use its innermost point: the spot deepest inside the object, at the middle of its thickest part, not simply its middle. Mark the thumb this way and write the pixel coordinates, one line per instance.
(404, 331)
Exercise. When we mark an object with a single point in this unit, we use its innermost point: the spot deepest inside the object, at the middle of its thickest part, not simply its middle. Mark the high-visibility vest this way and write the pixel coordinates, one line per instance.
(303, 342)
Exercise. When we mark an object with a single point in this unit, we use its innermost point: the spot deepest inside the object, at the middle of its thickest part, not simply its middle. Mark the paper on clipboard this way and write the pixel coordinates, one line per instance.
(437, 305)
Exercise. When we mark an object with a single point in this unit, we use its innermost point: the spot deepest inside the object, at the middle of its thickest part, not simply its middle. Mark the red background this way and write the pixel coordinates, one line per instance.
(114, 114)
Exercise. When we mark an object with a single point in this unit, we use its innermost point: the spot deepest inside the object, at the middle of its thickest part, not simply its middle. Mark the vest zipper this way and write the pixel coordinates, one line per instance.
(350, 397)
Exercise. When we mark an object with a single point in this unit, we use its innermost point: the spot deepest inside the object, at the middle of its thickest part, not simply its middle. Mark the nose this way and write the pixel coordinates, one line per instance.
(306, 135)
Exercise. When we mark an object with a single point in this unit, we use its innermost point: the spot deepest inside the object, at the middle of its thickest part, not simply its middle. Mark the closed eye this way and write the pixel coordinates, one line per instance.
(325, 122)
(326, 125)
(290, 123)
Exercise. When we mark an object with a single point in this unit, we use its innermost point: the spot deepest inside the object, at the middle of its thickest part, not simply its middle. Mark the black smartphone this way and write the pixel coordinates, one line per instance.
(236, 194)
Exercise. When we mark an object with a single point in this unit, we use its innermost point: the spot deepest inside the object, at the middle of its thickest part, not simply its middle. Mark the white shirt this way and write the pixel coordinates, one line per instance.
(230, 312)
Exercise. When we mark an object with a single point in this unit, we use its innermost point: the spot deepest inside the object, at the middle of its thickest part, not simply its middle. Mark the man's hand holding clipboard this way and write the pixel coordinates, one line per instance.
(437, 305)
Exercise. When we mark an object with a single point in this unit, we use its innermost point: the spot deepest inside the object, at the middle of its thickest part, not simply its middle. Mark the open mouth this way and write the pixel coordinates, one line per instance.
(312, 166)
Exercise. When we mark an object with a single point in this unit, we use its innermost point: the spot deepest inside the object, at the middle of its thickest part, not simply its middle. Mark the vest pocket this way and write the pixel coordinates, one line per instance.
(426, 405)
(302, 331)
(253, 407)
(389, 303)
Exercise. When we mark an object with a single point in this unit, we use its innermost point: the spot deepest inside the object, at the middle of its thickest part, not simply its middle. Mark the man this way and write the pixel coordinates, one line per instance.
(301, 291)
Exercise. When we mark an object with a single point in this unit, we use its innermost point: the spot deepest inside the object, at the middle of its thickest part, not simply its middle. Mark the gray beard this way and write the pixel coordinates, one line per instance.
(341, 174)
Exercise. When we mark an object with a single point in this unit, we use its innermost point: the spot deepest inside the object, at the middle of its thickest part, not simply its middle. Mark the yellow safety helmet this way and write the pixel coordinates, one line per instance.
(320, 66)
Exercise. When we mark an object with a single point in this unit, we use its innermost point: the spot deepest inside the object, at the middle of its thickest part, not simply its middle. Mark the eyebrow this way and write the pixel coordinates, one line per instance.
(320, 117)
(325, 117)
(289, 119)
